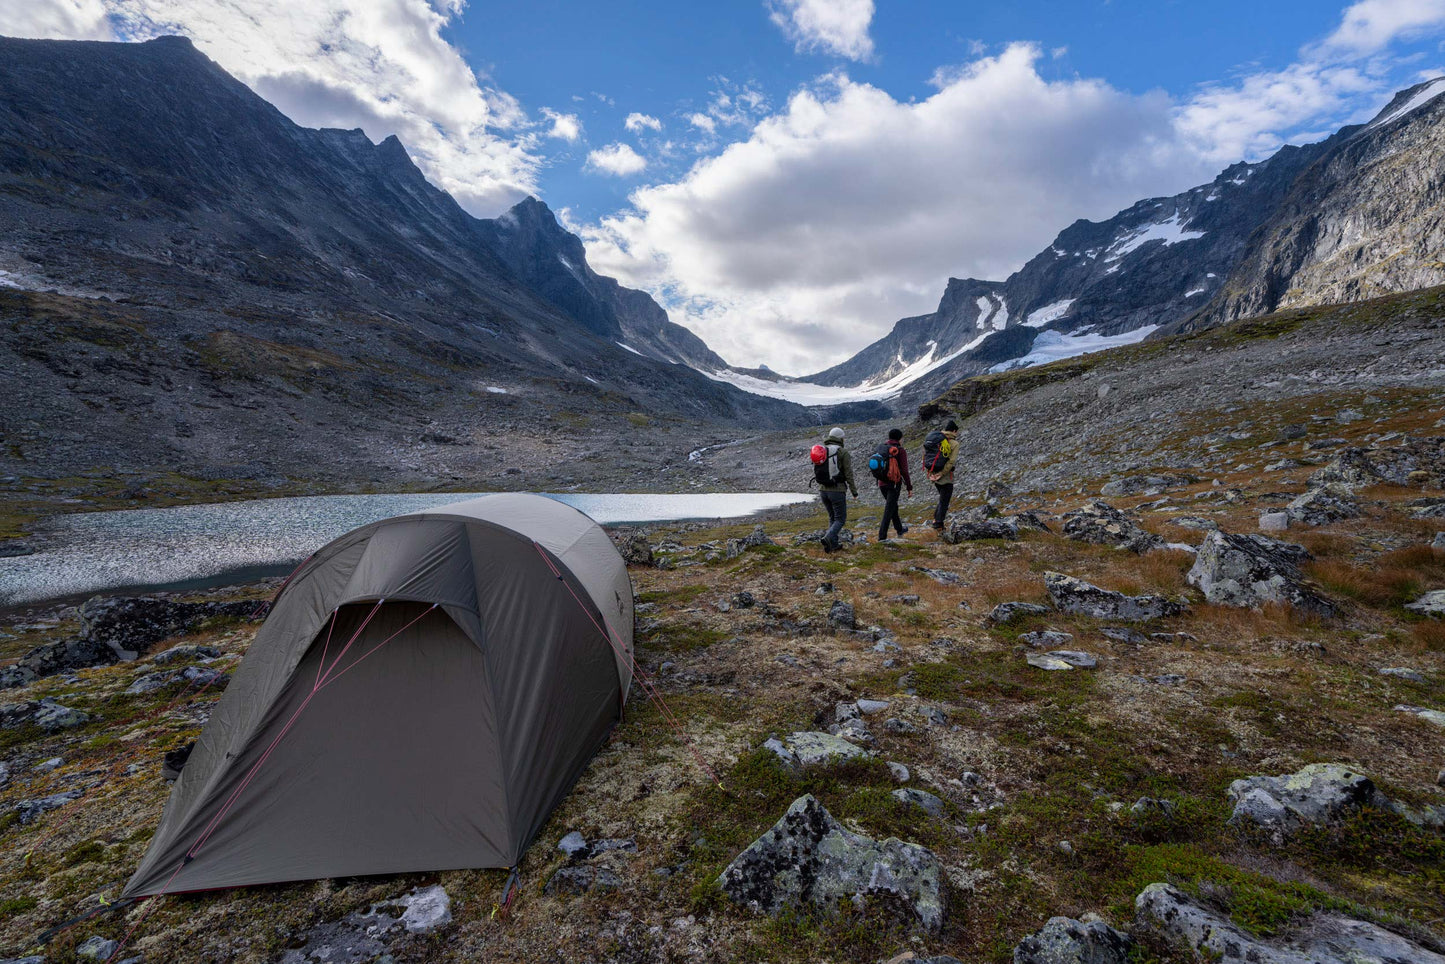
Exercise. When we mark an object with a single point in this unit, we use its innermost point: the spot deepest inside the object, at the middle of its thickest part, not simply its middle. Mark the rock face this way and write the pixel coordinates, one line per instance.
(1323, 504)
(1320, 793)
(1072, 595)
(1066, 941)
(1185, 924)
(1250, 570)
(808, 858)
(1102, 524)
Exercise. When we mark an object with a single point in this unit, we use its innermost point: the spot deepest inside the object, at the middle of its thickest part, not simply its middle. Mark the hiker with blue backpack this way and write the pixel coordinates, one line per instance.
(833, 471)
(940, 452)
(889, 465)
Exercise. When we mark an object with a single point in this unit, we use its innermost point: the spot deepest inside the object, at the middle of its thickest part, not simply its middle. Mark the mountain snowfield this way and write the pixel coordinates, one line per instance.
(1201, 257)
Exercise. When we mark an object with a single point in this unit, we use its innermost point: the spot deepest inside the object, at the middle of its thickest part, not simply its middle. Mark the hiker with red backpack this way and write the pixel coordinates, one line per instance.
(889, 465)
(940, 450)
(833, 471)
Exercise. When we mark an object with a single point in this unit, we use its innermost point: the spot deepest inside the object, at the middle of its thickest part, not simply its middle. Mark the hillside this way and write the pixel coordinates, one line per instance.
(1072, 754)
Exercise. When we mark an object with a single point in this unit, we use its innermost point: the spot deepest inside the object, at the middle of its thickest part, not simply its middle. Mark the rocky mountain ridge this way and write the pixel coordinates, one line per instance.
(1347, 218)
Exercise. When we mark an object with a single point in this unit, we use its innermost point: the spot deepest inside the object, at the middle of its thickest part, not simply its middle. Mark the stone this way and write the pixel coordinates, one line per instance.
(841, 615)
(899, 772)
(1075, 596)
(44, 713)
(1430, 604)
(26, 811)
(1439, 544)
(811, 748)
(130, 625)
(1005, 613)
(943, 577)
(636, 551)
(1028, 520)
(843, 712)
(973, 531)
(1101, 524)
(1045, 638)
(1248, 571)
(1274, 521)
(581, 878)
(1196, 523)
(97, 948)
(887, 646)
(1320, 793)
(427, 909)
(1323, 504)
(64, 656)
(921, 799)
(1144, 485)
(1066, 941)
(198, 676)
(870, 707)
(1061, 660)
(894, 725)
(1153, 806)
(575, 846)
(809, 859)
(758, 537)
(1123, 634)
(185, 652)
(854, 731)
(1401, 672)
(1323, 938)
(934, 715)
(1429, 716)
(743, 600)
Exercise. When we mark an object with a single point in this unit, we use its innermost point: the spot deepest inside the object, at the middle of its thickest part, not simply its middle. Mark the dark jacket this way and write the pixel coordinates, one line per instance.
(902, 467)
(845, 465)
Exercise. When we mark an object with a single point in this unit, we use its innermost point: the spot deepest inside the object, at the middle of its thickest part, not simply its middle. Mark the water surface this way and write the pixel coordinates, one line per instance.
(194, 546)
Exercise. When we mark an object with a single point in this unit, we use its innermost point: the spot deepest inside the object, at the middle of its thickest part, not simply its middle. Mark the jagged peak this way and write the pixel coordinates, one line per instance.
(1408, 101)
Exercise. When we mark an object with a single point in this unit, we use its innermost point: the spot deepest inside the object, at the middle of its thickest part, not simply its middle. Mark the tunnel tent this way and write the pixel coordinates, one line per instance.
(425, 691)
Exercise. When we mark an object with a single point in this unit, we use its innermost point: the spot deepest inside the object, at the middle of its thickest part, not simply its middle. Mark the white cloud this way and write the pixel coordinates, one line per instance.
(618, 160)
(1372, 25)
(56, 20)
(703, 123)
(381, 65)
(639, 122)
(832, 26)
(565, 127)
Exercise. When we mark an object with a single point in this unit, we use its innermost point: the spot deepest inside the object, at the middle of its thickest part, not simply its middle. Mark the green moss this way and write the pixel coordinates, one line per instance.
(17, 905)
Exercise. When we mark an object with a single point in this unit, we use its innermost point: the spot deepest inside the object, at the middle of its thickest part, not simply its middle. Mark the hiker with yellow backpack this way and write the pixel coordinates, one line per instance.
(940, 453)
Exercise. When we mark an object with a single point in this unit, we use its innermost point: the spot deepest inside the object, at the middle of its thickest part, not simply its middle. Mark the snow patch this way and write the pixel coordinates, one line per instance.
(1171, 231)
(1000, 320)
(571, 268)
(1194, 291)
(1426, 94)
(502, 391)
(629, 348)
(1051, 346)
(1042, 316)
(985, 307)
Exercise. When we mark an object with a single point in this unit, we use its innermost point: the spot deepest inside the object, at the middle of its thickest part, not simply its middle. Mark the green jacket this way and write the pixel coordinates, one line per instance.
(845, 464)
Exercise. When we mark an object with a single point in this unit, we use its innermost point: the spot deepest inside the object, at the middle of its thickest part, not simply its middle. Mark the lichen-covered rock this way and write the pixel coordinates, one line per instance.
(636, 550)
(811, 748)
(1072, 595)
(758, 537)
(1185, 924)
(44, 713)
(841, 615)
(58, 657)
(1415, 461)
(963, 531)
(1320, 793)
(199, 676)
(809, 859)
(1066, 941)
(1046, 639)
(1430, 604)
(921, 799)
(130, 625)
(1323, 504)
(1102, 524)
(1005, 613)
(1249, 571)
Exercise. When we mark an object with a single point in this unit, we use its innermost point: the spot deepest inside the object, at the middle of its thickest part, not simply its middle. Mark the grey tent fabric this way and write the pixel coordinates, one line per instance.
(425, 692)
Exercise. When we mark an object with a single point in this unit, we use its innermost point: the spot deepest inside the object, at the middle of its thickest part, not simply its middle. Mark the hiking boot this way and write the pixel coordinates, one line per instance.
(827, 546)
(902, 531)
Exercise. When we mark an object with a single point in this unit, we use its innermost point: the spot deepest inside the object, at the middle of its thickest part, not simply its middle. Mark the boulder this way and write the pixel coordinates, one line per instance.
(130, 625)
(1436, 717)
(1072, 595)
(97, 948)
(1320, 793)
(758, 537)
(1062, 659)
(1102, 524)
(1273, 521)
(989, 529)
(636, 550)
(809, 859)
(921, 799)
(1249, 571)
(1046, 638)
(1005, 613)
(52, 659)
(841, 615)
(1066, 941)
(1321, 505)
(1028, 520)
(199, 676)
(811, 748)
(45, 713)
(26, 811)
(186, 652)
(1430, 604)
(1324, 938)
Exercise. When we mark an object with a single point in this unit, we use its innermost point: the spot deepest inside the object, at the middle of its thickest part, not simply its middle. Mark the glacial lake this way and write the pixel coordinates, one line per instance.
(198, 546)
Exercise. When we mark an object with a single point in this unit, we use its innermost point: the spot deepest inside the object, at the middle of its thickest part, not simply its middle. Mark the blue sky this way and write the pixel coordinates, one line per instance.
(790, 177)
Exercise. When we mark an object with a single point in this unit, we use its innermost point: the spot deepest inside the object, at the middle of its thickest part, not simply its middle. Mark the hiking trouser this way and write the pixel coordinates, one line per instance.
(890, 510)
(945, 496)
(837, 505)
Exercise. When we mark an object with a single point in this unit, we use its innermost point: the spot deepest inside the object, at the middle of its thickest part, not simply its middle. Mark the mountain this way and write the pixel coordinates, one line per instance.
(1350, 217)
(190, 234)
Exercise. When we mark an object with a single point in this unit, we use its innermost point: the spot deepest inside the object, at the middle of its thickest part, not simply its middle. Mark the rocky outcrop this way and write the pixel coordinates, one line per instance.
(1321, 505)
(1072, 595)
(1430, 604)
(636, 550)
(1064, 940)
(43, 713)
(1182, 922)
(54, 658)
(1321, 793)
(808, 859)
(1250, 571)
(965, 531)
(1102, 524)
(1415, 461)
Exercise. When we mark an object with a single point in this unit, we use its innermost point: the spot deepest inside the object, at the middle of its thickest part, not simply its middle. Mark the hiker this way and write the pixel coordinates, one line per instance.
(833, 470)
(889, 466)
(940, 451)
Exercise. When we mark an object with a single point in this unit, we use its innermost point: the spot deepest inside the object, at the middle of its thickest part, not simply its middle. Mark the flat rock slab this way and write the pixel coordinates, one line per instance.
(809, 859)
(1046, 638)
(812, 748)
(1076, 596)
(1062, 659)
(1430, 604)
(1183, 923)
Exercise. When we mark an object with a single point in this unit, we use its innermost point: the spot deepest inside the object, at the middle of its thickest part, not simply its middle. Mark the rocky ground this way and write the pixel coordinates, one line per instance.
(1173, 692)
